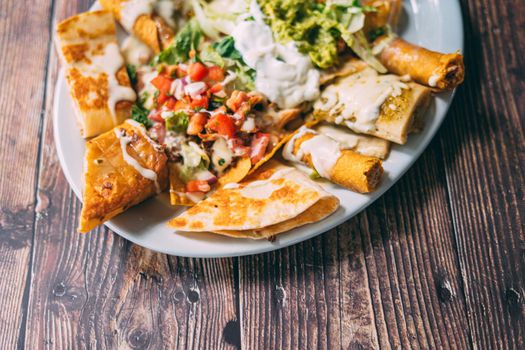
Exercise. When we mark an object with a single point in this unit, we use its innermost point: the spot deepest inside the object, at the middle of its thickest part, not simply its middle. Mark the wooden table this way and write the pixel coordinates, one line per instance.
(438, 262)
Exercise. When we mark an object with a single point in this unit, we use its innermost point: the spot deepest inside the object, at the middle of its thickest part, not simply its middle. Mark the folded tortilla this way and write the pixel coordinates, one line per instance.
(98, 82)
(332, 161)
(384, 106)
(139, 19)
(363, 144)
(437, 70)
(275, 199)
(122, 168)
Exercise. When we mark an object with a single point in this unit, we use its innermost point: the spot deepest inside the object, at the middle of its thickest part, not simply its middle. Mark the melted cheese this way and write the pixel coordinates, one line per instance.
(133, 9)
(356, 100)
(166, 10)
(323, 150)
(283, 74)
(110, 63)
(146, 173)
(135, 51)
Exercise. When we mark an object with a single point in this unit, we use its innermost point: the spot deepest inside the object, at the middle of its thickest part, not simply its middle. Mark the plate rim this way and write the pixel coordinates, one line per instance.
(255, 250)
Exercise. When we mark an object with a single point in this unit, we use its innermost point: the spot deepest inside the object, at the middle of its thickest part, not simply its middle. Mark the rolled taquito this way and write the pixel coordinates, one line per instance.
(139, 19)
(325, 155)
(385, 106)
(437, 70)
(363, 144)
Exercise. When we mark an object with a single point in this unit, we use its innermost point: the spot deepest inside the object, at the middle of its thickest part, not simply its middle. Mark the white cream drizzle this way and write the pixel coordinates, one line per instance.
(135, 51)
(433, 80)
(146, 173)
(166, 10)
(109, 63)
(323, 150)
(133, 9)
(356, 100)
(284, 75)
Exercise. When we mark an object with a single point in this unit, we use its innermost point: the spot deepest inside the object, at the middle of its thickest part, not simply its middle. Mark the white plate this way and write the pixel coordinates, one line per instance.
(435, 24)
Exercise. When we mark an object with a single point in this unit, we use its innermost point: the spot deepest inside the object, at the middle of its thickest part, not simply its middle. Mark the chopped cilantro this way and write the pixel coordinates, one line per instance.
(132, 73)
(139, 113)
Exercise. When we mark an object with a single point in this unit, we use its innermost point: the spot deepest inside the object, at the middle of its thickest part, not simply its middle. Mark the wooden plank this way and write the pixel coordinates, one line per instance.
(100, 291)
(484, 162)
(24, 38)
(388, 278)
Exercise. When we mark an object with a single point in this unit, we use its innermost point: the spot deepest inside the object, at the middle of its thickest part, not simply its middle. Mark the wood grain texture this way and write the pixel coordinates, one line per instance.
(100, 291)
(438, 262)
(24, 42)
(484, 160)
(388, 278)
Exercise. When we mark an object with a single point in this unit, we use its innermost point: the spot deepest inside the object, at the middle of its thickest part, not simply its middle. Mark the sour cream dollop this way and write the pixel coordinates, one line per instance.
(284, 75)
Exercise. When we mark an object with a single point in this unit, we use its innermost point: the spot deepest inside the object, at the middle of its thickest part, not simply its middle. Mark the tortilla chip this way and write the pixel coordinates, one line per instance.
(237, 172)
(177, 187)
(111, 184)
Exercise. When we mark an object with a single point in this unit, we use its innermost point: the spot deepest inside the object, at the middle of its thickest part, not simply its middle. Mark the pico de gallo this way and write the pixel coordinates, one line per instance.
(204, 124)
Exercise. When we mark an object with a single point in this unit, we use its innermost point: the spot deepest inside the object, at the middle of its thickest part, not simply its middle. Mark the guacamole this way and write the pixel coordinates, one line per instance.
(315, 28)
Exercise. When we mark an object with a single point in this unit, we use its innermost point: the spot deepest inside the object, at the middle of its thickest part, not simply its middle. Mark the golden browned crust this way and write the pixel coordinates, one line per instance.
(352, 170)
(317, 212)
(438, 70)
(111, 185)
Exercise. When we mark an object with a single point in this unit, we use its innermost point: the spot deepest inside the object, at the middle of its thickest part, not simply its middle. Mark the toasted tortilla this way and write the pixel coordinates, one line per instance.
(273, 196)
(111, 182)
(397, 115)
(148, 27)
(98, 82)
(363, 144)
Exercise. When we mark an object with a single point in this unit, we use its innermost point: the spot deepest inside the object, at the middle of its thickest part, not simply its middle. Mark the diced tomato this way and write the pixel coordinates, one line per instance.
(162, 98)
(170, 103)
(197, 122)
(215, 88)
(181, 104)
(197, 71)
(158, 131)
(198, 186)
(222, 124)
(216, 73)
(200, 103)
(155, 116)
(163, 83)
(236, 100)
(259, 145)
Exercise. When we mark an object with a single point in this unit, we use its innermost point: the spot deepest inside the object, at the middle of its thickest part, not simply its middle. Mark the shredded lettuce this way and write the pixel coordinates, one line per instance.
(224, 54)
(218, 16)
(187, 39)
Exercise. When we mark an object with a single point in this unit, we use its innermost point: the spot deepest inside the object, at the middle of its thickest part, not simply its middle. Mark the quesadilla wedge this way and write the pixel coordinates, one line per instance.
(384, 106)
(95, 71)
(271, 201)
(122, 168)
(139, 18)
